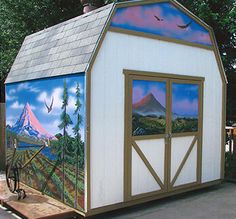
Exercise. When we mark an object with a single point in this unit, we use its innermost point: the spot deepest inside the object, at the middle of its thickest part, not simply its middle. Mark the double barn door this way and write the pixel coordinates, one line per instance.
(163, 133)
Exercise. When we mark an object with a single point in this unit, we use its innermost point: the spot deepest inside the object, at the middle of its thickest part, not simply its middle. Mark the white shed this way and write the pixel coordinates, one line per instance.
(144, 87)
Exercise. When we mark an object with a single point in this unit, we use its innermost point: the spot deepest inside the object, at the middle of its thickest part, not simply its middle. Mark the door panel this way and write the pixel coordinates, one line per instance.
(146, 127)
(142, 176)
(185, 133)
(188, 173)
(179, 148)
(148, 149)
(162, 134)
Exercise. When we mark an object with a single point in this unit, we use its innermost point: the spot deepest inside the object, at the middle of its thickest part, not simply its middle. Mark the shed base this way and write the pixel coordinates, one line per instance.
(35, 205)
(117, 206)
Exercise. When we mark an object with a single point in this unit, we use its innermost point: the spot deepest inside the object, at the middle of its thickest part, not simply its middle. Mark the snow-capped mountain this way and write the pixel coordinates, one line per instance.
(149, 106)
(28, 125)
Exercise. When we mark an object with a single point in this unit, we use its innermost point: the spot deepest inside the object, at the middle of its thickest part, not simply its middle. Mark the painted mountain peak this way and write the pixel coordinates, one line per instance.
(29, 125)
(149, 106)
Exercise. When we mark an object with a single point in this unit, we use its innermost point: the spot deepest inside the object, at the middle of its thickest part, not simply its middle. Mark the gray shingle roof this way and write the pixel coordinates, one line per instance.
(63, 49)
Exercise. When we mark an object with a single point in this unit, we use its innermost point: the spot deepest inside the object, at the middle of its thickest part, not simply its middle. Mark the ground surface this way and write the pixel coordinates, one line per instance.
(33, 206)
(4, 213)
(212, 203)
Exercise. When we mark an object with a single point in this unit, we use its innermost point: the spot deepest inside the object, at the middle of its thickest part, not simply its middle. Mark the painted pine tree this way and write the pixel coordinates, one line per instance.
(65, 122)
(78, 144)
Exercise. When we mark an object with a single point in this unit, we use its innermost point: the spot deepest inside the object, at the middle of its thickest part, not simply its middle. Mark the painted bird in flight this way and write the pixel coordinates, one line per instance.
(158, 19)
(49, 108)
(185, 26)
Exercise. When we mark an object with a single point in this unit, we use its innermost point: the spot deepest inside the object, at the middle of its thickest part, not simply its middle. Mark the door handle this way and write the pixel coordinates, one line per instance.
(168, 136)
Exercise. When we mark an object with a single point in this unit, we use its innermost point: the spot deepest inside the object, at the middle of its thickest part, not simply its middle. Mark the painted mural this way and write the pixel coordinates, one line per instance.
(148, 107)
(184, 107)
(162, 19)
(53, 111)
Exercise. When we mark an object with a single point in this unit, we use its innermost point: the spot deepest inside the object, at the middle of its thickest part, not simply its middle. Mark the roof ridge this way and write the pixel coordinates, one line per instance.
(72, 19)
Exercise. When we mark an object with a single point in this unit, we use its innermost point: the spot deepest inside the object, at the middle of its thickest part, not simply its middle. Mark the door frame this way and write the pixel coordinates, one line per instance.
(131, 75)
(197, 135)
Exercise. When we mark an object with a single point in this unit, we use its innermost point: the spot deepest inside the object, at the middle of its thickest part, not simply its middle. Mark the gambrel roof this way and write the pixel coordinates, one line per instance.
(71, 47)
(61, 49)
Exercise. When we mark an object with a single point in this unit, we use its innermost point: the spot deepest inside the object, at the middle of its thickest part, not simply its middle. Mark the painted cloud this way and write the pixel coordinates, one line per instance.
(161, 19)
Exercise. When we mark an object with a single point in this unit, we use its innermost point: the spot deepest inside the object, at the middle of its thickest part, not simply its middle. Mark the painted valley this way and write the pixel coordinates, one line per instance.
(52, 111)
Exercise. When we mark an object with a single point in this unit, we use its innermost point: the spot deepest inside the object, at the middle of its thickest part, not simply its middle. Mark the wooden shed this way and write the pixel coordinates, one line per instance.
(131, 97)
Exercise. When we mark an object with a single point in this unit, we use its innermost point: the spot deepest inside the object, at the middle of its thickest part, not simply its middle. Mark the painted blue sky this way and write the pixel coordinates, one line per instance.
(142, 88)
(185, 99)
(142, 18)
(36, 92)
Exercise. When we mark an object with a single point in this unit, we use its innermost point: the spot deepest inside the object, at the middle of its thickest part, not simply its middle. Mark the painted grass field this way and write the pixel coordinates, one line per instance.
(47, 177)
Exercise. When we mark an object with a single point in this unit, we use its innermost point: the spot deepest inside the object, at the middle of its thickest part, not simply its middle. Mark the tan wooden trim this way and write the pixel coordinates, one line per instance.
(127, 142)
(224, 95)
(87, 174)
(2, 136)
(184, 161)
(218, 57)
(157, 37)
(163, 75)
(143, 195)
(148, 137)
(184, 186)
(147, 76)
(200, 131)
(224, 92)
(151, 198)
(136, 3)
(126, 158)
(129, 145)
(148, 165)
(187, 81)
(183, 134)
(168, 140)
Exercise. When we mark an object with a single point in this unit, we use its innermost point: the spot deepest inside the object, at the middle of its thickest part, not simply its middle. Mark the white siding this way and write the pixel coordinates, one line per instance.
(120, 52)
(154, 151)
(189, 172)
(142, 180)
(179, 148)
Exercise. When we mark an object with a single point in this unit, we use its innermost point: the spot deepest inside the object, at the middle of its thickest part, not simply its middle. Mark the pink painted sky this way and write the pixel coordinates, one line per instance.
(143, 88)
(185, 96)
(141, 18)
